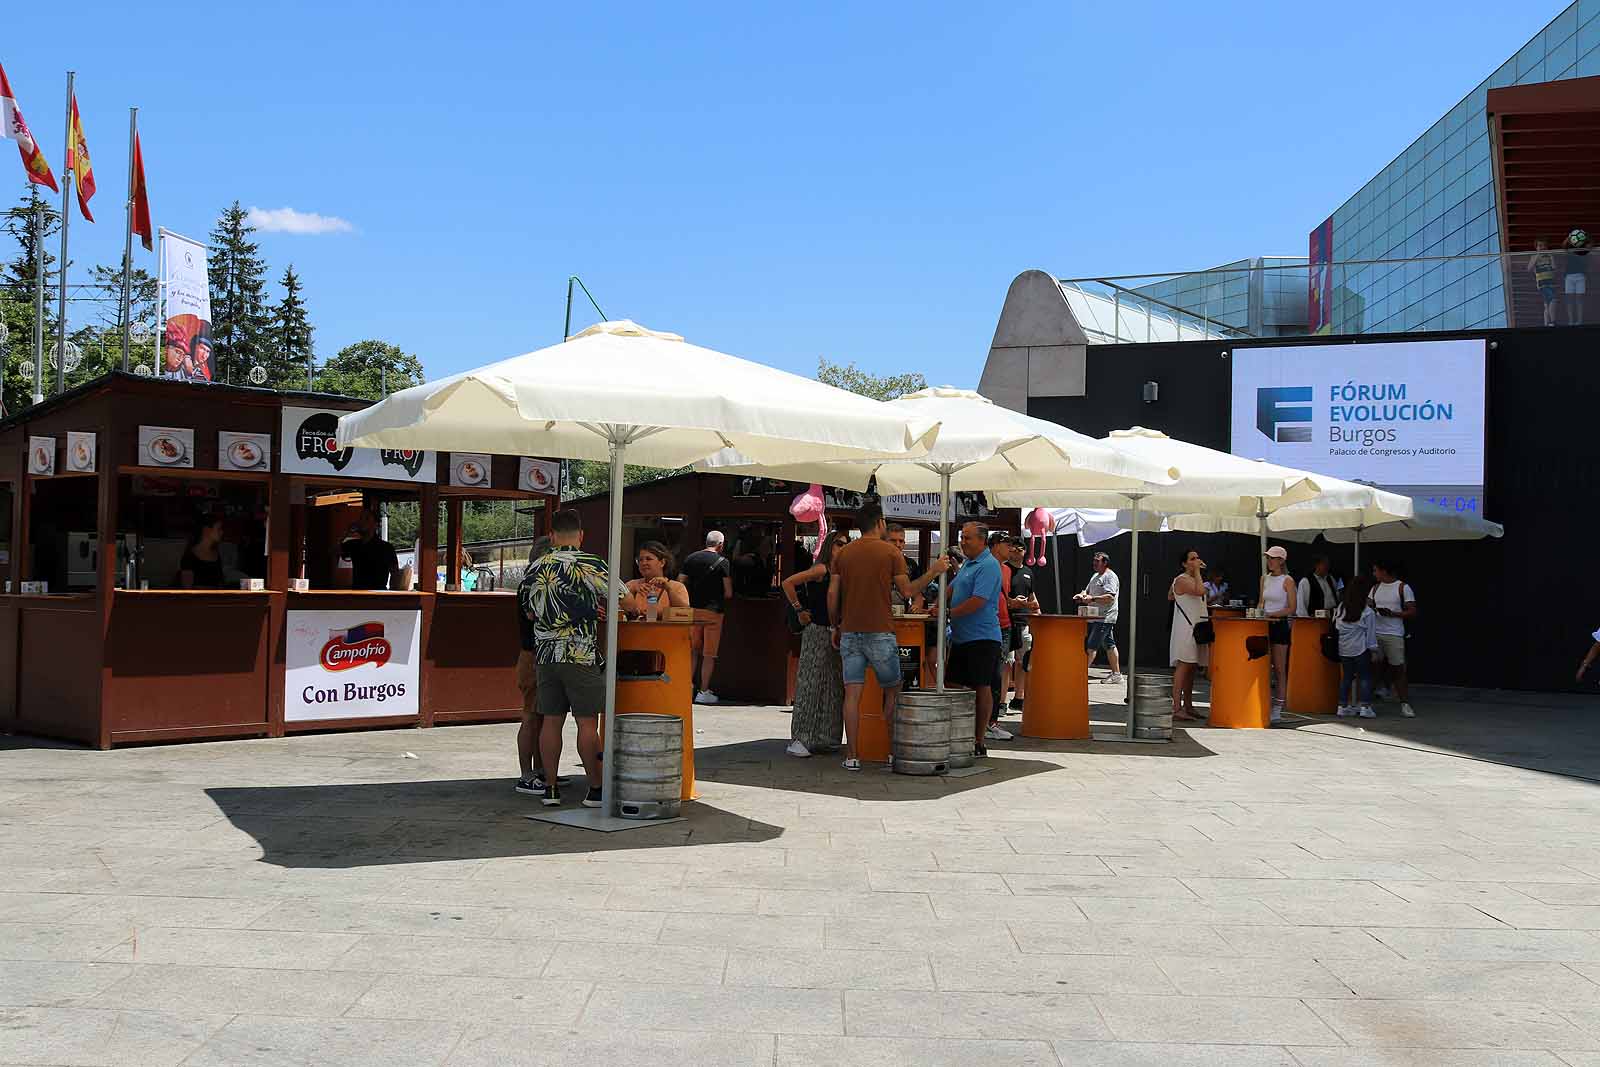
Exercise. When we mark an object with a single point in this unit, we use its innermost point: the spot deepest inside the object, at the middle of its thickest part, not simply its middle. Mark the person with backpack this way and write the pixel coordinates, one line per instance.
(1395, 605)
(1355, 623)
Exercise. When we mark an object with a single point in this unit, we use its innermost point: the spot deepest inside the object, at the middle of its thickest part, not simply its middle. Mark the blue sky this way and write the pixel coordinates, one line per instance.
(855, 181)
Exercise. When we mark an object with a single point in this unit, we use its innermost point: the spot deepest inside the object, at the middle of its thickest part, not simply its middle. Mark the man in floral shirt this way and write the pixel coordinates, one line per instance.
(564, 596)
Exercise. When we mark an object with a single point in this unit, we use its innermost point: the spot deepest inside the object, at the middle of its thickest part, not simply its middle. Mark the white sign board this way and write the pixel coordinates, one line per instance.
(165, 446)
(309, 445)
(914, 506)
(351, 664)
(1404, 415)
(80, 452)
(469, 469)
(538, 475)
(244, 451)
(42, 456)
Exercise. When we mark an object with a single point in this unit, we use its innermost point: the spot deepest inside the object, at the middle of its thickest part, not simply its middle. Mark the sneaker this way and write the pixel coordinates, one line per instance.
(1115, 679)
(1345, 711)
(995, 733)
(531, 784)
(1016, 704)
(797, 750)
(1406, 712)
(705, 696)
(852, 765)
(592, 798)
(552, 796)
(1366, 712)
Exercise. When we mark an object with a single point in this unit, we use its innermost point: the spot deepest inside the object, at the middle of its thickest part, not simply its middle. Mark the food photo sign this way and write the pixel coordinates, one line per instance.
(469, 470)
(165, 446)
(80, 452)
(538, 475)
(354, 664)
(42, 456)
(311, 446)
(244, 451)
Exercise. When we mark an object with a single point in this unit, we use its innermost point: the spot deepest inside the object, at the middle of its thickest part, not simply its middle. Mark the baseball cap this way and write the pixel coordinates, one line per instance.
(1278, 552)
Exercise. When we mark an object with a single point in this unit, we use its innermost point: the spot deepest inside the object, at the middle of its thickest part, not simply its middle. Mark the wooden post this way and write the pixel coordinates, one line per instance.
(452, 563)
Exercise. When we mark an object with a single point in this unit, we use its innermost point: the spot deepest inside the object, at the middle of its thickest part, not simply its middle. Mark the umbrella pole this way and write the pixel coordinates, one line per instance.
(1131, 673)
(608, 766)
(944, 547)
(1261, 516)
(1355, 566)
(1055, 563)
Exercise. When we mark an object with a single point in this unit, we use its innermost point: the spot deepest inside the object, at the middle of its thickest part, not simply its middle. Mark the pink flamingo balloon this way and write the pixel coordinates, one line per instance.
(1037, 523)
(808, 507)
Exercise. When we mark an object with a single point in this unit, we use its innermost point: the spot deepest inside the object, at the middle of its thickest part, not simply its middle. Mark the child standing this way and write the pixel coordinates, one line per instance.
(1356, 624)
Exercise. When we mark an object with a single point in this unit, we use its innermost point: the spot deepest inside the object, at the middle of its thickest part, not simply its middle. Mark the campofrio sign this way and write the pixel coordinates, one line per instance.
(355, 664)
(310, 445)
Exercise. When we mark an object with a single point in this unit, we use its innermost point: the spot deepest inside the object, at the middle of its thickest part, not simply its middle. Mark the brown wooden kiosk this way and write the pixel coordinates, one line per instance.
(100, 490)
(759, 655)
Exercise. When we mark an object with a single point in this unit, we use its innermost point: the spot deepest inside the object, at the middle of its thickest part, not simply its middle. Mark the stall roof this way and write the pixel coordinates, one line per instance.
(94, 385)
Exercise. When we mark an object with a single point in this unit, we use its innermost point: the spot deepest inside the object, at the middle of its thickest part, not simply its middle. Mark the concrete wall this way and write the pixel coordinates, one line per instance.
(1038, 347)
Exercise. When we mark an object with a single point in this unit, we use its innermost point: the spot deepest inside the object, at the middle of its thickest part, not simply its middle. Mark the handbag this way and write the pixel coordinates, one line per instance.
(1330, 646)
(1204, 632)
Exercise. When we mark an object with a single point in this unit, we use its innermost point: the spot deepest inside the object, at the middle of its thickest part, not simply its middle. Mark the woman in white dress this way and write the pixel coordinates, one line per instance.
(1188, 596)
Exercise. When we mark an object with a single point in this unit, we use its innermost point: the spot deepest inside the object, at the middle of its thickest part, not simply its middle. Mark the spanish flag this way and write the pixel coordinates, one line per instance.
(14, 128)
(78, 162)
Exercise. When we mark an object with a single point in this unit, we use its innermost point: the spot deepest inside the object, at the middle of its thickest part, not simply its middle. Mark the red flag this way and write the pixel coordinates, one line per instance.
(14, 128)
(78, 161)
(141, 199)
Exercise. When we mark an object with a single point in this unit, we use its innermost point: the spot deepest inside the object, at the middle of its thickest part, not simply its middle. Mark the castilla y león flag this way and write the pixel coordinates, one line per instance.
(141, 198)
(78, 162)
(14, 128)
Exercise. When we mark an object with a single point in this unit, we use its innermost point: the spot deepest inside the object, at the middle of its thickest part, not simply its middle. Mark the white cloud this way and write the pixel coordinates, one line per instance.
(288, 220)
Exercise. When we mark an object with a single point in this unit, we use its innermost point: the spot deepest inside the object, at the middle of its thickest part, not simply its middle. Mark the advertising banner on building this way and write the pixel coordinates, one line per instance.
(1319, 293)
(309, 445)
(915, 506)
(1403, 415)
(186, 337)
(352, 664)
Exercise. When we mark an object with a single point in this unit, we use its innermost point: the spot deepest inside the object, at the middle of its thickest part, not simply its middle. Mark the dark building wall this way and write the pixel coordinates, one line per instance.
(1514, 613)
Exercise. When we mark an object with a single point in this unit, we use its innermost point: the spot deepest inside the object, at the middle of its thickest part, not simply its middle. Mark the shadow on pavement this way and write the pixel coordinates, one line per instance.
(383, 823)
(1551, 732)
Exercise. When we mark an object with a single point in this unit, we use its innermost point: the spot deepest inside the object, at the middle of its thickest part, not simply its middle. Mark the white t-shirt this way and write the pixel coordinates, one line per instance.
(1390, 595)
(1105, 584)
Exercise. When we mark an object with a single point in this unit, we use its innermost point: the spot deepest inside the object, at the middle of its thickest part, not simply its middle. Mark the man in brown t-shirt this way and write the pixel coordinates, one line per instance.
(863, 630)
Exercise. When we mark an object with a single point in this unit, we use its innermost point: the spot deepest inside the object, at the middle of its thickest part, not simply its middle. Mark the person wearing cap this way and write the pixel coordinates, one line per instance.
(710, 582)
(1102, 590)
(1278, 598)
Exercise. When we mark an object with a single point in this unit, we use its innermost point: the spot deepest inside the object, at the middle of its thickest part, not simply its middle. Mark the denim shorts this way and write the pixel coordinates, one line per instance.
(858, 650)
(1102, 635)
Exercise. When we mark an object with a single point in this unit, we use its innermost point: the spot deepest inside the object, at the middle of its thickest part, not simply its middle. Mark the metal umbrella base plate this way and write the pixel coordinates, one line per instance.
(966, 772)
(1122, 737)
(595, 819)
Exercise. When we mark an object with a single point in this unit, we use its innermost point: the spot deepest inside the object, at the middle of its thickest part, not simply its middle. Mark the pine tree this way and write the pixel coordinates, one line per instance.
(240, 321)
(16, 296)
(291, 353)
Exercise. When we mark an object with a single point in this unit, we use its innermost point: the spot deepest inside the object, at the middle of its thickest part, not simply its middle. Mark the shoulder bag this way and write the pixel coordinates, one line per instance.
(1204, 632)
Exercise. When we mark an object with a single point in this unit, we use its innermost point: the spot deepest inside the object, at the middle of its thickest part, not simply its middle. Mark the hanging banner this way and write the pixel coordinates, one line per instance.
(309, 445)
(186, 337)
(351, 664)
(1319, 287)
(923, 506)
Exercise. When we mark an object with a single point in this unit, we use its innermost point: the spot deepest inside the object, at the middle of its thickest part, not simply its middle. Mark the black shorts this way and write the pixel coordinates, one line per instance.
(1278, 631)
(974, 664)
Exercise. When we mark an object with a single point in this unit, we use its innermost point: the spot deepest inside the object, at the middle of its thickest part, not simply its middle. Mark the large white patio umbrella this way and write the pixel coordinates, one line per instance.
(1209, 482)
(1428, 522)
(982, 447)
(622, 393)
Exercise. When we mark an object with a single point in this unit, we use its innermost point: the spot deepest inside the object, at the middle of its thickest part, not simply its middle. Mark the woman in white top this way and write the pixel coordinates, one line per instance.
(1278, 604)
(1188, 596)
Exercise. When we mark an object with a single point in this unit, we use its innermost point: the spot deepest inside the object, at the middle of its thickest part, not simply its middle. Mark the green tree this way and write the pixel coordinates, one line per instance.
(878, 386)
(239, 316)
(289, 363)
(364, 368)
(143, 292)
(17, 293)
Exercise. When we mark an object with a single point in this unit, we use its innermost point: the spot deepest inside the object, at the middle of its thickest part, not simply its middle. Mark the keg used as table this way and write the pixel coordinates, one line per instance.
(963, 723)
(649, 765)
(921, 742)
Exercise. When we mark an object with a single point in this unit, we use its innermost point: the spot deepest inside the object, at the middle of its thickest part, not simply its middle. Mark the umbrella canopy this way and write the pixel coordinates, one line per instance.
(981, 447)
(1428, 522)
(685, 401)
(1340, 505)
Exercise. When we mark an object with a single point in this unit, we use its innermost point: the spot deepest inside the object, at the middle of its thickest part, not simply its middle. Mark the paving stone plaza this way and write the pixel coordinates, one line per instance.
(1393, 891)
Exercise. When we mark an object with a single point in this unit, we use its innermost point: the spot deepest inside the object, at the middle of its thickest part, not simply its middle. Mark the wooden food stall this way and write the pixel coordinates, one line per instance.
(102, 493)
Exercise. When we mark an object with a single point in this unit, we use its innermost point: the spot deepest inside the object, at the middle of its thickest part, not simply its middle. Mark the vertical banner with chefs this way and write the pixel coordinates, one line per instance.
(351, 664)
(186, 331)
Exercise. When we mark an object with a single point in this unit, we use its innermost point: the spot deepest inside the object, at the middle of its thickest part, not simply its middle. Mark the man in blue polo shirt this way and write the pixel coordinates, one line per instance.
(975, 625)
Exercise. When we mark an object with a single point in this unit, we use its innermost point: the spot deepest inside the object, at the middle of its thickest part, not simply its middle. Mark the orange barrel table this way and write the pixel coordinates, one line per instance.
(872, 738)
(1313, 677)
(1241, 687)
(653, 676)
(1227, 613)
(1057, 705)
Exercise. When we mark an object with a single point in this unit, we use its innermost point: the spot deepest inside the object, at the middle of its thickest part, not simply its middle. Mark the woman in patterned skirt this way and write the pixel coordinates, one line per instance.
(818, 720)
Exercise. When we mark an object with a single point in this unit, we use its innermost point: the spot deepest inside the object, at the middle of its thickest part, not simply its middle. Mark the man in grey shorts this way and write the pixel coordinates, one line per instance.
(564, 596)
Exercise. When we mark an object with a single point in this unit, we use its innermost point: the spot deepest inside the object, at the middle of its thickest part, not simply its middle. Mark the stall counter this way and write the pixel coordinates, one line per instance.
(1313, 677)
(1241, 687)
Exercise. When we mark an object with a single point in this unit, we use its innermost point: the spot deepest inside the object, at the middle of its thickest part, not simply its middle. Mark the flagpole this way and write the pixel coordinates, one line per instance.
(66, 192)
(127, 244)
(38, 300)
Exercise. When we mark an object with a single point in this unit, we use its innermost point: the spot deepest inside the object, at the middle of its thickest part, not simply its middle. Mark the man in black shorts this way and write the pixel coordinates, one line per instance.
(975, 625)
